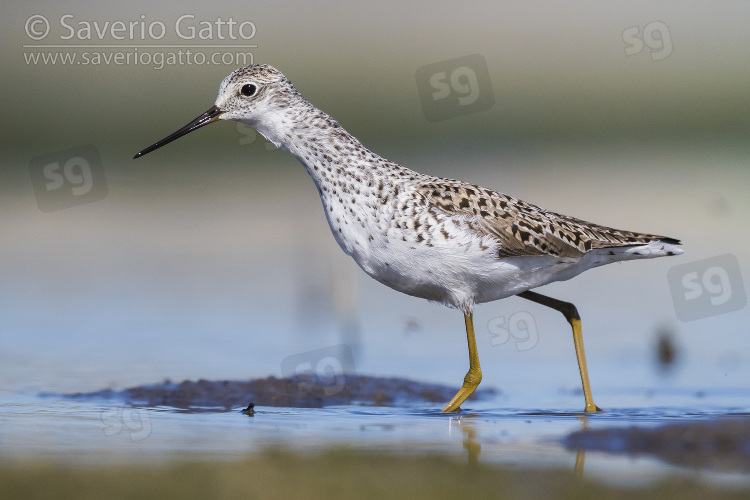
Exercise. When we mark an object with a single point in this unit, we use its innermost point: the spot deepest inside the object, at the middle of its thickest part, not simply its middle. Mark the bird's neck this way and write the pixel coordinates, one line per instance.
(329, 153)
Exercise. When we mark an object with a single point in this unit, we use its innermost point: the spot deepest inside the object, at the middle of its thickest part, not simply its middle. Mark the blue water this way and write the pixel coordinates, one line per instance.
(106, 431)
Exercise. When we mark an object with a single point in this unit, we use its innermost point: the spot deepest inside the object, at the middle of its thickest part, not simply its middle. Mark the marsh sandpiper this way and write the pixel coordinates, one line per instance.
(439, 239)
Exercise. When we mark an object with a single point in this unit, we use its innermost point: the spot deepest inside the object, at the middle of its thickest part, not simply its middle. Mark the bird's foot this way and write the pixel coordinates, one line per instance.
(592, 408)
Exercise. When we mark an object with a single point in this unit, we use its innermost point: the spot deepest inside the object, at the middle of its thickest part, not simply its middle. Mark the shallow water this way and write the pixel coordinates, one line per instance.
(95, 431)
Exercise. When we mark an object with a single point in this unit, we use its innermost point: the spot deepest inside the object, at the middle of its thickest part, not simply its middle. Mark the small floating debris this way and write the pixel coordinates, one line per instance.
(250, 410)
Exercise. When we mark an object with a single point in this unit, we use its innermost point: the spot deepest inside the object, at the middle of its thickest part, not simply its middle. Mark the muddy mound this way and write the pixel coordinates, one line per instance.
(299, 392)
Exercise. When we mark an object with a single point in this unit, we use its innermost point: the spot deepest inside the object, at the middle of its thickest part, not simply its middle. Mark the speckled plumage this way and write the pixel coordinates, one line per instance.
(440, 239)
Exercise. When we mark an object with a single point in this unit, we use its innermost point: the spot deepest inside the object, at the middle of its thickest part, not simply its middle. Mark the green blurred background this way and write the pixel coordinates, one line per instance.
(212, 258)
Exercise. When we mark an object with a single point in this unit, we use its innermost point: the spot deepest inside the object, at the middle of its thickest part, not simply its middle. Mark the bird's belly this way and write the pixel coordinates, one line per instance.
(461, 277)
(420, 274)
(454, 276)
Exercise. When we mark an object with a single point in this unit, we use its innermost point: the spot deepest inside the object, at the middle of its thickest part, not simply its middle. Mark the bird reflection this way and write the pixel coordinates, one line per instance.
(471, 445)
(580, 453)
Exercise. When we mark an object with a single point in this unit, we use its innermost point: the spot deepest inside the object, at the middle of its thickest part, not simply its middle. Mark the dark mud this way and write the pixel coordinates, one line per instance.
(721, 444)
(296, 392)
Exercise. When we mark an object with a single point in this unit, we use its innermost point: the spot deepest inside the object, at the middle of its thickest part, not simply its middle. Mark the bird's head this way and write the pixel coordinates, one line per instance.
(257, 95)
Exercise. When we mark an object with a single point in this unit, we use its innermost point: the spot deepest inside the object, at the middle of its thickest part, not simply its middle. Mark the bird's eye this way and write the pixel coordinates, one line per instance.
(248, 89)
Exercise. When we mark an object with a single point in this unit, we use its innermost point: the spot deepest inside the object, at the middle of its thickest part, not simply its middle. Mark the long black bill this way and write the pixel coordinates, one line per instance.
(209, 116)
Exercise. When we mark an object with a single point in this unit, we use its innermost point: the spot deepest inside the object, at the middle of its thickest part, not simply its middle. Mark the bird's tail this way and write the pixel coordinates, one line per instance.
(657, 248)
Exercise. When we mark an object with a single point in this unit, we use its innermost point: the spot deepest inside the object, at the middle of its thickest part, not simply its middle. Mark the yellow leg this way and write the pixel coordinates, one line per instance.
(571, 314)
(474, 375)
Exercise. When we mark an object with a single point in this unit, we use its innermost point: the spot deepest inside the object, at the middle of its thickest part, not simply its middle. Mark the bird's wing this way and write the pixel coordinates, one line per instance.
(521, 228)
